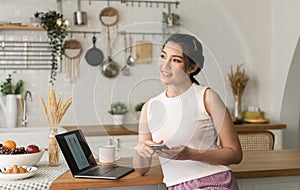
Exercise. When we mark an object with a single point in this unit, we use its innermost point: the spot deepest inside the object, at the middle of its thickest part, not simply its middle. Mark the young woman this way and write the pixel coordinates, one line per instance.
(188, 118)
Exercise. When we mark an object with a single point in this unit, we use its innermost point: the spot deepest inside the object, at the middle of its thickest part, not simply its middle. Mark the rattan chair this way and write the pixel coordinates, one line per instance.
(256, 140)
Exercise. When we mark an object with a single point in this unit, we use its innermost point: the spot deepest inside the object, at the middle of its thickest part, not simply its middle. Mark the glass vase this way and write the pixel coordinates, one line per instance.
(238, 107)
(53, 151)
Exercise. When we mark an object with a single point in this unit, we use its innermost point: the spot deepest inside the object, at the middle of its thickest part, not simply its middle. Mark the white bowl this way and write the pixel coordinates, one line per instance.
(31, 172)
(21, 159)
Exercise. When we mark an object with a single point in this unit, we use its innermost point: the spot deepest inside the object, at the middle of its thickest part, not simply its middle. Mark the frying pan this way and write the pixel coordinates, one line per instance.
(110, 68)
(94, 56)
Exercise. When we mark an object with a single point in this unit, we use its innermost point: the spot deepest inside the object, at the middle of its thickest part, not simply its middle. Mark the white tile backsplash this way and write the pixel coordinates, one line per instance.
(92, 92)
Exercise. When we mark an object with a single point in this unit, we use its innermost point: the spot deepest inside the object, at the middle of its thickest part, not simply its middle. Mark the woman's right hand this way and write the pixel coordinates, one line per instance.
(144, 150)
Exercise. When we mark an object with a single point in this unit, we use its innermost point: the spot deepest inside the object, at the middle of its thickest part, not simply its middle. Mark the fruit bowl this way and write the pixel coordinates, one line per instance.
(29, 159)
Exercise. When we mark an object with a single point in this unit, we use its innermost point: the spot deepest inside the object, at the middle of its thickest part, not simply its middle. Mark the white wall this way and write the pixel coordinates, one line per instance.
(285, 61)
(260, 34)
(285, 35)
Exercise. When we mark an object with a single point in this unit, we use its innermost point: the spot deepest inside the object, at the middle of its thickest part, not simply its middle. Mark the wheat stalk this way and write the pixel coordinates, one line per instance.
(45, 110)
(238, 80)
(57, 109)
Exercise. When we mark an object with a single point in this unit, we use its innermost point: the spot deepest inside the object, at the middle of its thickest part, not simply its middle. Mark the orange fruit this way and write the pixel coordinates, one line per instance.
(9, 144)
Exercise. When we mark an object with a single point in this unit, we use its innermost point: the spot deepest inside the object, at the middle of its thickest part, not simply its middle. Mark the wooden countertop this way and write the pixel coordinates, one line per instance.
(258, 126)
(132, 129)
(255, 164)
(103, 130)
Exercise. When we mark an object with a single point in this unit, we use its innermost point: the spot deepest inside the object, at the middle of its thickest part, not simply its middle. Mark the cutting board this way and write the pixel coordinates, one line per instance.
(143, 51)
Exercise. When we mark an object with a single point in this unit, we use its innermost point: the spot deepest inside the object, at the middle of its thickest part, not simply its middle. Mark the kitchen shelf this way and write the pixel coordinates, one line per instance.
(20, 27)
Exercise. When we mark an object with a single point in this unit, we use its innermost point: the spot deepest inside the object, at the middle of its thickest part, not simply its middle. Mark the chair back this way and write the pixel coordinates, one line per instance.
(256, 140)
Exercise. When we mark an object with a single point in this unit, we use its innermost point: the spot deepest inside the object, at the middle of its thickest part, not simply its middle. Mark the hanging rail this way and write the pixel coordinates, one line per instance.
(83, 32)
(176, 3)
(143, 33)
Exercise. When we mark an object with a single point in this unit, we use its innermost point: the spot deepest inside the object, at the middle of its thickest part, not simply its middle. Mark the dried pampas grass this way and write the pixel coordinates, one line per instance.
(57, 109)
(238, 80)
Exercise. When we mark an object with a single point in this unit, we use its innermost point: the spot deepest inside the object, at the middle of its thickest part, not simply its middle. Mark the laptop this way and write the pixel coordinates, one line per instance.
(81, 161)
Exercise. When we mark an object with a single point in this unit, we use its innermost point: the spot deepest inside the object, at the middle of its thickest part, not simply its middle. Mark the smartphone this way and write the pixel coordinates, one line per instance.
(158, 146)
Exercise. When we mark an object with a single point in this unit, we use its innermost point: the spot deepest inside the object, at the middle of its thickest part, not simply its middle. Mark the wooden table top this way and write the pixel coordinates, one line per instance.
(153, 176)
(255, 164)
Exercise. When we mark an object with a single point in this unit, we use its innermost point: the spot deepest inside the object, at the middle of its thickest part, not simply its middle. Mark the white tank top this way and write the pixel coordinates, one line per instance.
(183, 120)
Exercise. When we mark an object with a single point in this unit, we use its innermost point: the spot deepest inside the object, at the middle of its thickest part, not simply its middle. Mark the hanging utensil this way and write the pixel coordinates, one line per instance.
(72, 52)
(109, 16)
(130, 59)
(143, 52)
(125, 69)
(80, 17)
(94, 56)
(110, 68)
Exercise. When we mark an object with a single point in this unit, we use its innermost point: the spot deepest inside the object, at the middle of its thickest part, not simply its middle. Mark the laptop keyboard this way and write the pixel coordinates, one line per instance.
(100, 170)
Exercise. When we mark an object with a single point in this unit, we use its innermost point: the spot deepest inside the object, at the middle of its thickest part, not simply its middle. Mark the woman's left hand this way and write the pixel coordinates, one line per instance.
(181, 152)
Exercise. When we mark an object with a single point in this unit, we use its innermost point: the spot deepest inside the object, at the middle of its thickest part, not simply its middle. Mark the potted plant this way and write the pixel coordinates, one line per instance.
(118, 110)
(55, 25)
(138, 108)
(171, 19)
(12, 92)
(35, 20)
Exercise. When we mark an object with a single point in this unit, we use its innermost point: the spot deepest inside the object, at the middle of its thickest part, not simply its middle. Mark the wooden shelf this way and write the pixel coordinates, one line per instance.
(20, 27)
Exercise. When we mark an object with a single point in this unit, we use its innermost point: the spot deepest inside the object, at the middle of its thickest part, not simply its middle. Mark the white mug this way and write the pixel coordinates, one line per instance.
(109, 154)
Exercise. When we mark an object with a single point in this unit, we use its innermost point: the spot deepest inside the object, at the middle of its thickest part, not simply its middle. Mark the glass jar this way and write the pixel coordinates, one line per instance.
(53, 151)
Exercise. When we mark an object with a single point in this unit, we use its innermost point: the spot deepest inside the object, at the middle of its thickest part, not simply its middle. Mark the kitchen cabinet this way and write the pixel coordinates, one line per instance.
(271, 183)
(141, 187)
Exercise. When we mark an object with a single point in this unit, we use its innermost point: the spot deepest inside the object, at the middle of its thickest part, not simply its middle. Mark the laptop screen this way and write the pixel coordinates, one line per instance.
(76, 151)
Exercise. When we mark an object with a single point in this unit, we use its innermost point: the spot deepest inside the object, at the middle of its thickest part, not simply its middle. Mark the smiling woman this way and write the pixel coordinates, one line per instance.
(187, 118)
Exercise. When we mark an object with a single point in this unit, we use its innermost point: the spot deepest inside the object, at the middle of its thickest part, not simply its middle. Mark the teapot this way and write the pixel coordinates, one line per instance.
(10, 109)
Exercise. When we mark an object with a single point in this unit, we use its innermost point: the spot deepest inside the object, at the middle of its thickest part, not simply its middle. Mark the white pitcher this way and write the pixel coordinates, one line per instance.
(10, 109)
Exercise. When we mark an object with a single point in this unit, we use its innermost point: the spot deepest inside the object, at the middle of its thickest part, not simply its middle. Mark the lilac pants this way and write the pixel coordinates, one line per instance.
(222, 181)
